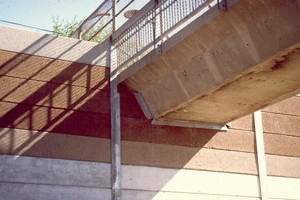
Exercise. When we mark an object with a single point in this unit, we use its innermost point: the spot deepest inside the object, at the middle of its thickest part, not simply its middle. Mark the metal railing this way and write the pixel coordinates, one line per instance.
(150, 27)
(100, 24)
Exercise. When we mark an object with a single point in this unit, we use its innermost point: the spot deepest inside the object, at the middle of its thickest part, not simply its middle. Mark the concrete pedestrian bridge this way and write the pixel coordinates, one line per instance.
(191, 62)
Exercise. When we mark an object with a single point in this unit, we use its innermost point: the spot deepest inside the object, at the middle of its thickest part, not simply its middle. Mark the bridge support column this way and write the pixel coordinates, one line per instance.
(115, 120)
(115, 135)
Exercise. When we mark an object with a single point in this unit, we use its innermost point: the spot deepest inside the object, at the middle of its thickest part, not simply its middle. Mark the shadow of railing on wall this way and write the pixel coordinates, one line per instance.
(38, 93)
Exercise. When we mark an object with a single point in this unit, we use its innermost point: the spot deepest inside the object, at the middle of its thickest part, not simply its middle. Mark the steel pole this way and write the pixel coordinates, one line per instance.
(115, 119)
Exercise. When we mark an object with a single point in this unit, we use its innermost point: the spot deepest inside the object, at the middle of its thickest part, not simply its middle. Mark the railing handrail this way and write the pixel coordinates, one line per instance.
(150, 5)
(185, 19)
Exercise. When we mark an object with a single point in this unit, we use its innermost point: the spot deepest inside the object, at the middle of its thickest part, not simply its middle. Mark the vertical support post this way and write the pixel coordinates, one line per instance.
(115, 134)
(115, 120)
(154, 25)
(261, 159)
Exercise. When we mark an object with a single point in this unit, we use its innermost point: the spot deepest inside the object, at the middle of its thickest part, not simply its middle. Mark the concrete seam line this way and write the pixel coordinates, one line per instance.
(261, 156)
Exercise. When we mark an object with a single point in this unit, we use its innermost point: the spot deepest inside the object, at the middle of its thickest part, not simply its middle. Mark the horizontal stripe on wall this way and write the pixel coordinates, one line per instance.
(41, 175)
(53, 145)
(281, 124)
(283, 145)
(151, 195)
(189, 181)
(167, 156)
(203, 182)
(283, 188)
(65, 96)
(148, 195)
(289, 106)
(19, 169)
(133, 153)
(143, 131)
(283, 166)
(26, 143)
(13, 191)
(55, 120)
(244, 142)
(49, 70)
(23, 116)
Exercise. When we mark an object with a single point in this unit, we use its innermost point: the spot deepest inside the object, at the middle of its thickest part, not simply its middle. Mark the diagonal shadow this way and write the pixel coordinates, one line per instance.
(66, 77)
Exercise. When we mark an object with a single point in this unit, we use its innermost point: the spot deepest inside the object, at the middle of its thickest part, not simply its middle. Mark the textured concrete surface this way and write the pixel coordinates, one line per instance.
(189, 181)
(225, 65)
(54, 47)
(22, 191)
(289, 106)
(150, 195)
(54, 172)
(279, 165)
(23, 66)
(281, 124)
(218, 154)
(33, 178)
(71, 101)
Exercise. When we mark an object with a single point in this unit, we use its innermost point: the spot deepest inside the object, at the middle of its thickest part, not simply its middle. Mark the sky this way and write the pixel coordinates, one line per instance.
(39, 13)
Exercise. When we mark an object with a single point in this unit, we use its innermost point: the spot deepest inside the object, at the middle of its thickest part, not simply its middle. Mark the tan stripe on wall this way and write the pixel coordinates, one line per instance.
(283, 166)
(281, 124)
(289, 106)
(22, 142)
(233, 140)
(50, 70)
(56, 95)
(49, 145)
(168, 156)
(283, 145)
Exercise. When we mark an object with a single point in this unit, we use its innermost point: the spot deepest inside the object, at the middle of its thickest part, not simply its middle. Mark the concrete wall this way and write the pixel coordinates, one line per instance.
(281, 124)
(55, 116)
(55, 47)
(43, 178)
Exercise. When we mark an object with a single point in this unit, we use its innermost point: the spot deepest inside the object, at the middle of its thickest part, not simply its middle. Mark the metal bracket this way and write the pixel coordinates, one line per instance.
(222, 5)
(190, 124)
(158, 49)
(143, 105)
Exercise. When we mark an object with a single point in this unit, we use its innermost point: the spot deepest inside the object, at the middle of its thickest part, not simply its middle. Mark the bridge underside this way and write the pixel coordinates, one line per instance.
(224, 65)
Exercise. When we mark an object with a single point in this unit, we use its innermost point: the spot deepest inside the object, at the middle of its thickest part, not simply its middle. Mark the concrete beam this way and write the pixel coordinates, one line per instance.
(224, 65)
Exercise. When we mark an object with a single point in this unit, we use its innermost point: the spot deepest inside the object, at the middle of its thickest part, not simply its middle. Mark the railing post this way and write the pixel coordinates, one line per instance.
(154, 23)
(114, 11)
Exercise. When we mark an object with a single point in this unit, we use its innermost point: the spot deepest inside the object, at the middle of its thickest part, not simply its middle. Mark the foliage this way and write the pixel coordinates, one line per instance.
(62, 27)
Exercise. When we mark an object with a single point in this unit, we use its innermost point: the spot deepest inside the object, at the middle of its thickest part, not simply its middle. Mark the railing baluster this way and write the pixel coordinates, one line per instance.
(152, 27)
